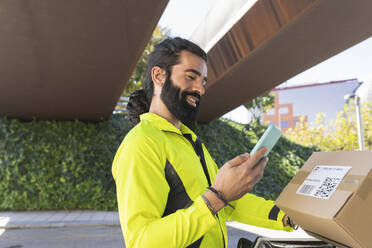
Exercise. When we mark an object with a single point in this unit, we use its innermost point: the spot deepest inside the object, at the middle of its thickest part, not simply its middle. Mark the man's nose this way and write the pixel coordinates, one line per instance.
(198, 86)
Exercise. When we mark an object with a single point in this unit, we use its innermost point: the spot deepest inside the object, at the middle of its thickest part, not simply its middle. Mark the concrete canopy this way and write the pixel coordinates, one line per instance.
(275, 40)
(70, 59)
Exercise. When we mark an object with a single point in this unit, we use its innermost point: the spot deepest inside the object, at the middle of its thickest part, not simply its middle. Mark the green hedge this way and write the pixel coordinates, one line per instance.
(67, 164)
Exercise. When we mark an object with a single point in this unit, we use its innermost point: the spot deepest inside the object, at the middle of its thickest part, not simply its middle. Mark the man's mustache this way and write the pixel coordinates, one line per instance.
(188, 93)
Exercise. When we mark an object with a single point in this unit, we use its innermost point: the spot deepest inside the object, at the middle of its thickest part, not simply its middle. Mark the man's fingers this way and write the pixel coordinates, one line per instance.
(261, 164)
(258, 171)
(261, 152)
(260, 167)
(238, 160)
(258, 155)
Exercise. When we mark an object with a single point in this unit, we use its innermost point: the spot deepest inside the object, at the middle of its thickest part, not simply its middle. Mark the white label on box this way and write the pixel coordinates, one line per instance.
(323, 181)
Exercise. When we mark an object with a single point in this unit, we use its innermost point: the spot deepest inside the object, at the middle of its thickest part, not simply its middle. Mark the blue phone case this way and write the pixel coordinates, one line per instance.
(268, 139)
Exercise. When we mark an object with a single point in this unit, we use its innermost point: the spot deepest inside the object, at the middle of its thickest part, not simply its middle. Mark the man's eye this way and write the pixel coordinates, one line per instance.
(190, 77)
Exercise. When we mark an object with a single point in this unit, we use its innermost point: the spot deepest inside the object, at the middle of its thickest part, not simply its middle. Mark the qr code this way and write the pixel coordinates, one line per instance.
(327, 187)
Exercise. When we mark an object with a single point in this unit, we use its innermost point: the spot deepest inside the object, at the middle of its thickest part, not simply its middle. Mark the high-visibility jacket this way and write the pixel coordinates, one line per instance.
(159, 182)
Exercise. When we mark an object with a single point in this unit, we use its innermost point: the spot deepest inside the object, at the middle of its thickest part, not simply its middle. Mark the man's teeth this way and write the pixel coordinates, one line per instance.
(192, 100)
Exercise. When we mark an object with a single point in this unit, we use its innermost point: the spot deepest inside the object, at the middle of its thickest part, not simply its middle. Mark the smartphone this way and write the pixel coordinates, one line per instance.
(268, 139)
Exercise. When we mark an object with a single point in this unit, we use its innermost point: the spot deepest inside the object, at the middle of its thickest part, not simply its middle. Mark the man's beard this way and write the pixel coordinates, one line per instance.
(177, 104)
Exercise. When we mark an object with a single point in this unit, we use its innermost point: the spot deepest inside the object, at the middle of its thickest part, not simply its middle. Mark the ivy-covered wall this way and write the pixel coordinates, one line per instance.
(67, 164)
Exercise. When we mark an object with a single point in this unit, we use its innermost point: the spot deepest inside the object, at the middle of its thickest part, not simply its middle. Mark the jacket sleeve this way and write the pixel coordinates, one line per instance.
(142, 193)
(256, 211)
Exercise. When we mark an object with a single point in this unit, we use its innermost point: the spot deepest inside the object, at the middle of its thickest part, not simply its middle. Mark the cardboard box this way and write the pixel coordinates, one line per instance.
(331, 206)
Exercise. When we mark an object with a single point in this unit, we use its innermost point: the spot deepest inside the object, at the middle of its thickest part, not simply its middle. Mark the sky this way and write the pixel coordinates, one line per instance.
(182, 18)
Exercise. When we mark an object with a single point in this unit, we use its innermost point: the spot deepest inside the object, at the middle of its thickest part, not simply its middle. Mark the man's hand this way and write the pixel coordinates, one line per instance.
(238, 176)
(287, 221)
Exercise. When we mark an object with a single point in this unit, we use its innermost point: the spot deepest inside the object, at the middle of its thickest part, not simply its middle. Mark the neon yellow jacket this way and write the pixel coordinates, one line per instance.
(159, 182)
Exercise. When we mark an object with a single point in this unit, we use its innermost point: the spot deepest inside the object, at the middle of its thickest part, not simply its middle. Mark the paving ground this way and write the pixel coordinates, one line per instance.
(58, 237)
(91, 229)
(79, 237)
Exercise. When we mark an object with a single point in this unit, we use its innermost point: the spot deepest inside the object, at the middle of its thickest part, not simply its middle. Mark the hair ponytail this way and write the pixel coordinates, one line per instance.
(137, 105)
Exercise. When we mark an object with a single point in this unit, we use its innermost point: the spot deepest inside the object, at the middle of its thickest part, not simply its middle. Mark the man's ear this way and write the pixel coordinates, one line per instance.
(158, 76)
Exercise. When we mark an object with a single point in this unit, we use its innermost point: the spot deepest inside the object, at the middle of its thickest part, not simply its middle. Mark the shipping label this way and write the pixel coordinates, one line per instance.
(323, 181)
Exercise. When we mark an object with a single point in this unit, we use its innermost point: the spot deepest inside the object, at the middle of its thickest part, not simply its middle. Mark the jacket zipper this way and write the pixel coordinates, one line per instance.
(201, 156)
(193, 144)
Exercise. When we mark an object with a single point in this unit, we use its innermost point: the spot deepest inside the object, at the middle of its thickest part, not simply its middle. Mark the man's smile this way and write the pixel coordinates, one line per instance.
(192, 100)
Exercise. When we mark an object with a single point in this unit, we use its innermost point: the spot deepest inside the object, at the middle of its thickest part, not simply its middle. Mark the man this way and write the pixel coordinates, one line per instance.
(170, 192)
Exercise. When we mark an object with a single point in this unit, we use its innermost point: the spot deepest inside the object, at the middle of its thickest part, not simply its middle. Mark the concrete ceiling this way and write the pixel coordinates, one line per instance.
(275, 40)
(70, 59)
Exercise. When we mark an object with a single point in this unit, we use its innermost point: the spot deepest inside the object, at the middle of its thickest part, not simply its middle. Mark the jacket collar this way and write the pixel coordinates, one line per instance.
(164, 125)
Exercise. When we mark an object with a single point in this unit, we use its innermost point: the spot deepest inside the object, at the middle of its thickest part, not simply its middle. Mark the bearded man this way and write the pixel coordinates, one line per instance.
(170, 192)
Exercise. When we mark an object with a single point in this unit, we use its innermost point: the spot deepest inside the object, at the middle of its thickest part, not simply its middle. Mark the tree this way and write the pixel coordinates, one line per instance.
(260, 105)
(138, 76)
(340, 134)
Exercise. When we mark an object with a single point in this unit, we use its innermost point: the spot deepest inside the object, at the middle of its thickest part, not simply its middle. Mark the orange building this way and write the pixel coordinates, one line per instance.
(283, 116)
(307, 100)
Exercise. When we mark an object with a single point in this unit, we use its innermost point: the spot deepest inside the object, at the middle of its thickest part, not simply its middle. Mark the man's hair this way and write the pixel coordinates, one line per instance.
(165, 55)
